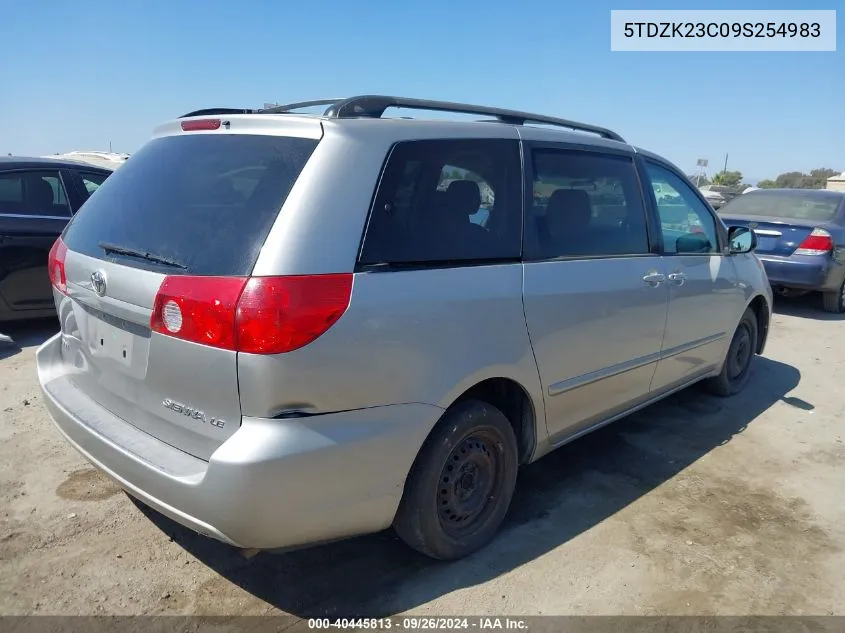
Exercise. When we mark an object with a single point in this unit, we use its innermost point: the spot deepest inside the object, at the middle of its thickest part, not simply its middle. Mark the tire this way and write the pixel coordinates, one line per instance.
(461, 484)
(834, 302)
(736, 369)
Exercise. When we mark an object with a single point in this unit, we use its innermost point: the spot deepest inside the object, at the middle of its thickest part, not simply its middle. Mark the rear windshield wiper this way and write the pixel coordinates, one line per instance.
(134, 252)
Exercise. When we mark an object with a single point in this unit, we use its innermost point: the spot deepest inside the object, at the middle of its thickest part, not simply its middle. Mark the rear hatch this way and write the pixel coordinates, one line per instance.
(782, 222)
(187, 209)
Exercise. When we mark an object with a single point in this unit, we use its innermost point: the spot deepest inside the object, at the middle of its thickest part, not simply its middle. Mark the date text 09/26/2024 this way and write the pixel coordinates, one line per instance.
(420, 623)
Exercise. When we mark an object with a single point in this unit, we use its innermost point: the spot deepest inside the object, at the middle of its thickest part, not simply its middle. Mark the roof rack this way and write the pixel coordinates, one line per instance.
(207, 111)
(373, 106)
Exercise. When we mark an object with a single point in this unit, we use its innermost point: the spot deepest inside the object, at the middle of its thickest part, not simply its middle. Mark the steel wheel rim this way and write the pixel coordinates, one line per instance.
(742, 350)
(470, 482)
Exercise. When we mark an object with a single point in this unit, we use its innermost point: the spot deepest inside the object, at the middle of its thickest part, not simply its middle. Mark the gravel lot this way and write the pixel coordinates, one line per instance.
(695, 506)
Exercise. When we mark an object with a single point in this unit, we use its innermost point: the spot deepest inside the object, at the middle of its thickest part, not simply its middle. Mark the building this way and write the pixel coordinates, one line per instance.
(836, 183)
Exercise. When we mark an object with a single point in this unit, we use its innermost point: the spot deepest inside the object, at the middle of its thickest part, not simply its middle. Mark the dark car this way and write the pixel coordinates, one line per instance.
(800, 239)
(37, 198)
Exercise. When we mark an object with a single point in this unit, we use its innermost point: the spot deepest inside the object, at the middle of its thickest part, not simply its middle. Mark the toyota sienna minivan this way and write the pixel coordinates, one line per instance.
(281, 328)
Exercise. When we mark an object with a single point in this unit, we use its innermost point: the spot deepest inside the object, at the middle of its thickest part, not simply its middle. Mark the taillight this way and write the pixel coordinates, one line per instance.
(818, 242)
(281, 314)
(200, 124)
(198, 309)
(56, 265)
(258, 315)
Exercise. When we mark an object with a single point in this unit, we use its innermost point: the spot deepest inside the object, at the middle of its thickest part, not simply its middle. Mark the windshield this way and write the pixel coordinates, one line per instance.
(790, 206)
(204, 201)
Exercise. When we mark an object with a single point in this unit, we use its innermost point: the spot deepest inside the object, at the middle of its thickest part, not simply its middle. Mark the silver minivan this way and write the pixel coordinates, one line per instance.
(280, 328)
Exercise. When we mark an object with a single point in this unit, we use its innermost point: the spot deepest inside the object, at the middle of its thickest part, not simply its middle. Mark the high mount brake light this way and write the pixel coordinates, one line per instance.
(257, 315)
(818, 242)
(56, 265)
(200, 124)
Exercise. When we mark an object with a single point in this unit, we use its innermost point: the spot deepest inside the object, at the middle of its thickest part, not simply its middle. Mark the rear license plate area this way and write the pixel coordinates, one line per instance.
(109, 340)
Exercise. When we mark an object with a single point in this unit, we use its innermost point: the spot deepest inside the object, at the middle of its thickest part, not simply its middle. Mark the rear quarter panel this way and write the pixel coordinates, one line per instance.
(414, 336)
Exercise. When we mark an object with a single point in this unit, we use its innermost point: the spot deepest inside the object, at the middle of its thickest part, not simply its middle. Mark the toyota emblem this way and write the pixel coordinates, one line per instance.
(98, 281)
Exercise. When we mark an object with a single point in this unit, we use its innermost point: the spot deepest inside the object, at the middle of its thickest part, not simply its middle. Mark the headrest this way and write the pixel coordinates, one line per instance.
(464, 197)
(39, 193)
(574, 203)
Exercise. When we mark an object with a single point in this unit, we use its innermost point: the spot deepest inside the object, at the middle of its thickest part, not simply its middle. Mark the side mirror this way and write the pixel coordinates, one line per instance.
(693, 243)
(741, 239)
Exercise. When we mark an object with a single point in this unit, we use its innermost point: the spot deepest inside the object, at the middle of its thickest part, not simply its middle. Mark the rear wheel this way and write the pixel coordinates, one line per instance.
(835, 301)
(736, 368)
(461, 484)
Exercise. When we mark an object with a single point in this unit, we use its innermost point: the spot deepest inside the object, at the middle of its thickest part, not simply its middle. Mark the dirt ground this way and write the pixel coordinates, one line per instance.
(695, 506)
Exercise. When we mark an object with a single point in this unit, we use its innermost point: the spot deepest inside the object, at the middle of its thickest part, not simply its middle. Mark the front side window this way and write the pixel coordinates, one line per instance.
(688, 226)
(447, 201)
(585, 205)
(36, 193)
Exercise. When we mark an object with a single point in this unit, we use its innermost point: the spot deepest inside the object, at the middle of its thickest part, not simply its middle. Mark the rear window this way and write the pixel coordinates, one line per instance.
(205, 201)
(790, 206)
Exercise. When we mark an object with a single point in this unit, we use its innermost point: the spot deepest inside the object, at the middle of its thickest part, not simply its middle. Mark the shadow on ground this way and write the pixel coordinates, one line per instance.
(17, 335)
(557, 498)
(808, 306)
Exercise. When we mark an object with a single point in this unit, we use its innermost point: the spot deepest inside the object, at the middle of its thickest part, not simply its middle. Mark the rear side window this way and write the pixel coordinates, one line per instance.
(204, 201)
(92, 181)
(447, 201)
(37, 193)
(585, 205)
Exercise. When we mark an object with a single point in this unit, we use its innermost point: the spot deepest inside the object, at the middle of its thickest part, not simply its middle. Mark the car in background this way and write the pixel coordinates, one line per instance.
(718, 195)
(106, 160)
(38, 196)
(800, 239)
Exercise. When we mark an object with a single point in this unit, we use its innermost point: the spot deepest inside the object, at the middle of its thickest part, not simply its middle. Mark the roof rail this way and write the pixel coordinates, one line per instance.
(298, 106)
(373, 106)
(208, 111)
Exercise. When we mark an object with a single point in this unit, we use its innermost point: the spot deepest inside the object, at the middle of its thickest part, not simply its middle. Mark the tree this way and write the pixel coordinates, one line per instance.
(790, 180)
(728, 178)
(816, 179)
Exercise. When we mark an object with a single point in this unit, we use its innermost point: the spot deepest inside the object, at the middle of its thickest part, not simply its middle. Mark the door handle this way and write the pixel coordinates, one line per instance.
(677, 278)
(654, 278)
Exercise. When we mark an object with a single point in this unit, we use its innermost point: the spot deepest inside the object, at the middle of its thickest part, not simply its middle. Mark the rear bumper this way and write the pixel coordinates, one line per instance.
(804, 272)
(273, 484)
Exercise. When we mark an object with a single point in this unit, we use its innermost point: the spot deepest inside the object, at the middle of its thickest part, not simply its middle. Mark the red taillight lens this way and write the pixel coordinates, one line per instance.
(818, 242)
(281, 314)
(198, 309)
(56, 265)
(200, 124)
(258, 315)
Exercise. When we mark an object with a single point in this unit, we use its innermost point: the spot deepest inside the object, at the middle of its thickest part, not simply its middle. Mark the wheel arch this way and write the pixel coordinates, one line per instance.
(513, 399)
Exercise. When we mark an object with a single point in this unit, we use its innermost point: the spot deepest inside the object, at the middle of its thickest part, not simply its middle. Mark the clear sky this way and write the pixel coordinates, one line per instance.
(78, 75)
